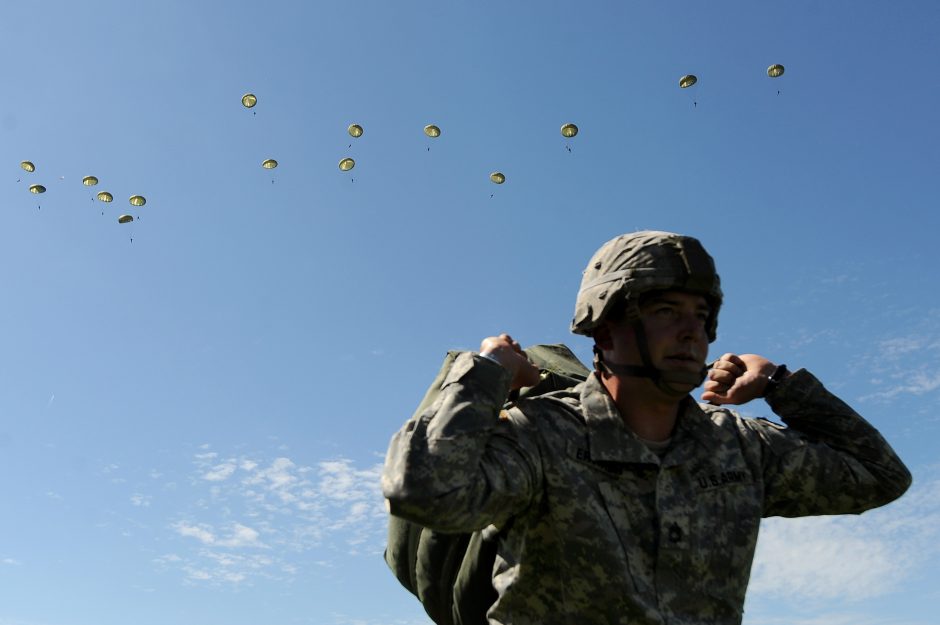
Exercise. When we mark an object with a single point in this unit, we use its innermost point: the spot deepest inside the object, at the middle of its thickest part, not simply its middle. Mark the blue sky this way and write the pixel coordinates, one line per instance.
(192, 422)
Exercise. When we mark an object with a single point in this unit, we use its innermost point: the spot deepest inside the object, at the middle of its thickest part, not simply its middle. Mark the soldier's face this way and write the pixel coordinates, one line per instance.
(675, 327)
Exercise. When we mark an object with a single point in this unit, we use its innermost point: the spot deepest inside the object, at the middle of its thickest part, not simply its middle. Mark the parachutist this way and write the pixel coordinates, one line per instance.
(649, 301)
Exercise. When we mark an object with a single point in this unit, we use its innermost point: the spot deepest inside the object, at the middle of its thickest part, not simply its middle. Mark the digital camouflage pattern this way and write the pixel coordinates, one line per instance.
(450, 573)
(599, 529)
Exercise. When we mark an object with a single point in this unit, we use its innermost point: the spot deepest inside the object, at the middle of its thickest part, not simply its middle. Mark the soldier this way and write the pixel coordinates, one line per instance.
(622, 500)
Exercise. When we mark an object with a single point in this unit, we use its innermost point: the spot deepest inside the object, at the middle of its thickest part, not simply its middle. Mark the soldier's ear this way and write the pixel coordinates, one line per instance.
(602, 338)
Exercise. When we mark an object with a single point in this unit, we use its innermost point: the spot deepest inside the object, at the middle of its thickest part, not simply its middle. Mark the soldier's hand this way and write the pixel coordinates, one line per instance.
(509, 354)
(735, 379)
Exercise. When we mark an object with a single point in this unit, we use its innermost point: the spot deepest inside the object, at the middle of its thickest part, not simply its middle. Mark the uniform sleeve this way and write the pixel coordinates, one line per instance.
(829, 460)
(458, 466)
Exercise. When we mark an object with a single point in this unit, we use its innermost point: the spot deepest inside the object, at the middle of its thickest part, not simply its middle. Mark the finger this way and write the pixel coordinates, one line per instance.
(726, 366)
(722, 376)
(733, 359)
(712, 398)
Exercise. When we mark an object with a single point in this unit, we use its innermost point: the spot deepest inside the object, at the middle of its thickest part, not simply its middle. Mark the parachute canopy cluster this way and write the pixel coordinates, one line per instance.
(433, 131)
(774, 71)
(88, 181)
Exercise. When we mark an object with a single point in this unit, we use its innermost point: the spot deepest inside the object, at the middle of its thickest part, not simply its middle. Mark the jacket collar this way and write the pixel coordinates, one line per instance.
(609, 440)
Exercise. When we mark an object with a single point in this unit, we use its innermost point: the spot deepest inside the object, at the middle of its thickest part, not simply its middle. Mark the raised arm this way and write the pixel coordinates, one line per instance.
(457, 465)
(828, 461)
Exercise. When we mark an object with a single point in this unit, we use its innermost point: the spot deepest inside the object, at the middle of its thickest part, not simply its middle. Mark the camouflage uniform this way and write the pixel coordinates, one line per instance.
(596, 528)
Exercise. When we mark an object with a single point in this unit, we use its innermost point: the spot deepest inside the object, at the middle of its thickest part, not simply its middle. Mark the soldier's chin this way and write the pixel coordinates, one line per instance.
(682, 364)
(684, 379)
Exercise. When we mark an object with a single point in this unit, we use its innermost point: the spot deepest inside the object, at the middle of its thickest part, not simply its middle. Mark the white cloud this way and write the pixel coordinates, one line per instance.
(220, 472)
(200, 532)
(849, 558)
(908, 364)
(915, 383)
(10, 562)
(839, 618)
(238, 535)
(140, 500)
(280, 507)
(241, 536)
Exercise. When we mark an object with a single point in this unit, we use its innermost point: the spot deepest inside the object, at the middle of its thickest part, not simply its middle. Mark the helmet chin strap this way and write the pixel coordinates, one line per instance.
(661, 378)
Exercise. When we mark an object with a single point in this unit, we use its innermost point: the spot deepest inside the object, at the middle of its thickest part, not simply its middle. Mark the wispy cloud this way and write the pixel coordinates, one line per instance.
(244, 504)
(832, 618)
(141, 500)
(220, 472)
(849, 558)
(238, 535)
(907, 364)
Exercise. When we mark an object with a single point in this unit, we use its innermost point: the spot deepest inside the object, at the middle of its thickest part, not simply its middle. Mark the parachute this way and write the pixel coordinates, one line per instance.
(28, 166)
(125, 219)
(569, 130)
(432, 131)
(687, 81)
(497, 177)
(37, 188)
(354, 130)
(775, 70)
(104, 196)
(137, 200)
(269, 163)
(346, 164)
(89, 181)
(249, 100)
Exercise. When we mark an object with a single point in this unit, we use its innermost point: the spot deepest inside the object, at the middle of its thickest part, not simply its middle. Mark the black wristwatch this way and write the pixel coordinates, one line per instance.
(779, 374)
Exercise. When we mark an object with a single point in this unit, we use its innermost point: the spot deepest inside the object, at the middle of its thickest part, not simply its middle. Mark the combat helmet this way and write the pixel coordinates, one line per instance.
(627, 267)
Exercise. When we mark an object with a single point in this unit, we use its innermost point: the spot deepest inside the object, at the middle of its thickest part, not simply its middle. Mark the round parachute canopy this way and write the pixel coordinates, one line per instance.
(355, 130)
(137, 200)
(269, 163)
(687, 81)
(346, 164)
(28, 166)
(37, 188)
(432, 131)
(104, 196)
(498, 177)
(89, 181)
(125, 219)
(569, 130)
(775, 70)
(249, 100)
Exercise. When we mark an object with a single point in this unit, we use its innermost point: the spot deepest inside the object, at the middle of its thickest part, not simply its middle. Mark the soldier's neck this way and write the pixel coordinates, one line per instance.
(646, 411)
